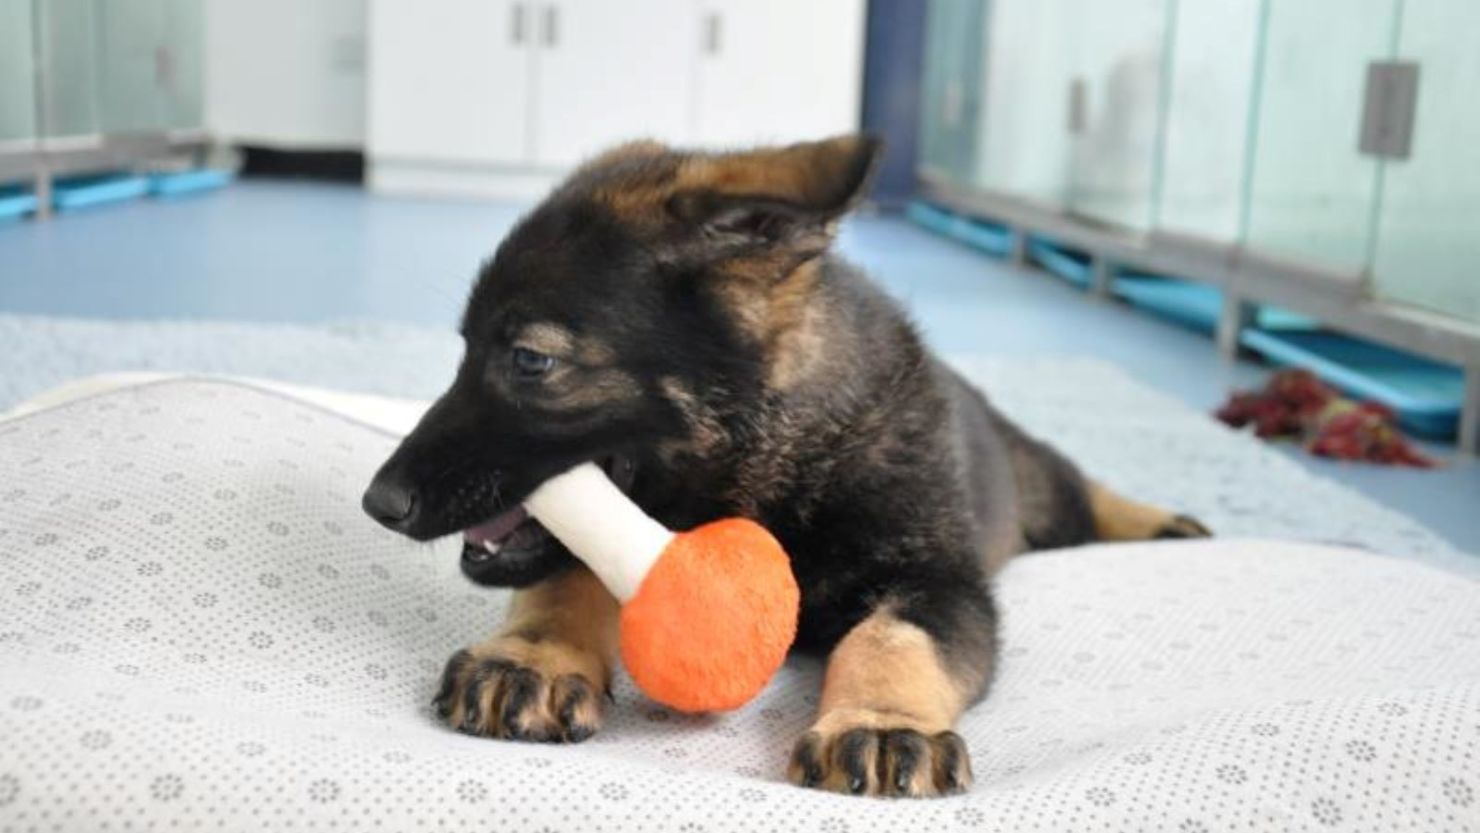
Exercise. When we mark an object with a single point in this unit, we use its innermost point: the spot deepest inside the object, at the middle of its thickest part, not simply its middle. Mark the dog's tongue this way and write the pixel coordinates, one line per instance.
(490, 534)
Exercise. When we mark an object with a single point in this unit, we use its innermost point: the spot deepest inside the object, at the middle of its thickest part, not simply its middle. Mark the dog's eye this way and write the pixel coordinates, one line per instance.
(530, 365)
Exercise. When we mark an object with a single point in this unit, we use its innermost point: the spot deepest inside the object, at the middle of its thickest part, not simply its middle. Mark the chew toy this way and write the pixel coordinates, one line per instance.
(707, 615)
(1296, 404)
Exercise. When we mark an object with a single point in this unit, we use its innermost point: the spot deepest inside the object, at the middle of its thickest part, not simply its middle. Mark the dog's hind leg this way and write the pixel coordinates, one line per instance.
(1118, 518)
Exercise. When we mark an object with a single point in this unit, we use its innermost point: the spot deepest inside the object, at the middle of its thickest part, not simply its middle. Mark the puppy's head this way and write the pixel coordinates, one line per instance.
(622, 321)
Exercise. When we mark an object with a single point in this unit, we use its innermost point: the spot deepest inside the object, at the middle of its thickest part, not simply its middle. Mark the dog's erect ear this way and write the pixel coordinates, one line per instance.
(790, 196)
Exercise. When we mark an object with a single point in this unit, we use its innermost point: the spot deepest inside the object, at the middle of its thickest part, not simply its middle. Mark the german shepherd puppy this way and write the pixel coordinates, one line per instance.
(679, 318)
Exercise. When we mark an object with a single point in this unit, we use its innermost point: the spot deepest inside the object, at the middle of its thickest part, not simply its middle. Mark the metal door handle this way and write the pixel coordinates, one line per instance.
(552, 26)
(713, 27)
(1388, 109)
(1078, 114)
(516, 24)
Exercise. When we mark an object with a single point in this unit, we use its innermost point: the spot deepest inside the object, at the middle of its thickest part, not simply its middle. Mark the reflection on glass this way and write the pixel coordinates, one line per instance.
(951, 113)
(184, 38)
(69, 49)
(1214, 46)
(1024, 145)
(117, 67)
(1311, 194)
(17, 77)
(132, 65)
(1428, 237)
(1118, 59)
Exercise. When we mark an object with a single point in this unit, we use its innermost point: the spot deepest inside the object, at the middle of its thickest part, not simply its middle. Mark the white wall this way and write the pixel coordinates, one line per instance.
(286, 73)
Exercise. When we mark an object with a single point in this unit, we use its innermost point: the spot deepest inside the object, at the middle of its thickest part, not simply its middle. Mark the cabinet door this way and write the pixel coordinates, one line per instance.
(777, 70)
(609, 72)
(449, 80)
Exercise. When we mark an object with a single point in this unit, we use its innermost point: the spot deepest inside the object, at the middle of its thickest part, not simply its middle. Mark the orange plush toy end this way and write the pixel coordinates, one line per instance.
(707, 615)
(714, 618)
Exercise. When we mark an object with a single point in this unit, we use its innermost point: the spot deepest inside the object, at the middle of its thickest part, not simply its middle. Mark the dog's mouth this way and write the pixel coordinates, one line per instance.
(512, 542)
(513, 530)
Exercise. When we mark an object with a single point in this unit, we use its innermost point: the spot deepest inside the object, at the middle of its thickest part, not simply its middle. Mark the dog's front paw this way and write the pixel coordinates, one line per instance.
(522, 690)
(864, 755)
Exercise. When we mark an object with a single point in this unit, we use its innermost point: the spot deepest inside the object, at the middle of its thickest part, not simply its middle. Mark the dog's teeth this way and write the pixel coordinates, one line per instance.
(491, 547)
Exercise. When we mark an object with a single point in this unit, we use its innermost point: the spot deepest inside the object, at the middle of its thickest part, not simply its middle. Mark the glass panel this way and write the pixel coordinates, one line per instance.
(69, 45)
(1213, 45)
(183, 39)
(133, 62)
(1428, 253)
(1311, 193)
(1024, 143)
(1118, 59)
(954, 34)
(17, 76)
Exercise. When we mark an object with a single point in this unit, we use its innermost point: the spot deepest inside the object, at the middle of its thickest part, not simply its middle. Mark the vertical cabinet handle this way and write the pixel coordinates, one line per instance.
(1078, 114)
(552, 26)
(1388, 107)
(516, 24)
(164, 66)
(713, 26)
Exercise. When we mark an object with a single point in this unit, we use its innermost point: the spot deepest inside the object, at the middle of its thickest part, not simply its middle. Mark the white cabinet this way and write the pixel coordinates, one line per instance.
(777, 70)
(501, 97)
(609, 72)
(285, 73)
(449, 80)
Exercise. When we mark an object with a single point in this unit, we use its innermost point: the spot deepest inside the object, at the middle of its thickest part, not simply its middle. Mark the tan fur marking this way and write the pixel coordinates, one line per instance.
(640, 196)
(769, 294)
(796, 329)
(640, 205)
(597, 387)
(600, 383)
(800, 173)
(888, 702)
(1119, 518)
(547, 338)
(705, 434)
(573, 610)
(887, 672)
(555, 340)
(635, 149)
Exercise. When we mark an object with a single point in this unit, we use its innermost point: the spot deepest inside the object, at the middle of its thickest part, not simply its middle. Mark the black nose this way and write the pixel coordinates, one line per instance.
(391, 503)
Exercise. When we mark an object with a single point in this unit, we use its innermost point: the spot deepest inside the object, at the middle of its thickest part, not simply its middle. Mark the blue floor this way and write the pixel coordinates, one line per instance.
(312, 253)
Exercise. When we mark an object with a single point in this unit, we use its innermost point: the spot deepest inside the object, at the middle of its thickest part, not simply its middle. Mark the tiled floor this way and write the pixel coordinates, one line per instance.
(307, 253)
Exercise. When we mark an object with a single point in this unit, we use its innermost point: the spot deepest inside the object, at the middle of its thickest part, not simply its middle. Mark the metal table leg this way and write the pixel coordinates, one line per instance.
(1019, 254)
(1236, 316)
(1469, 418)
(1102, 277)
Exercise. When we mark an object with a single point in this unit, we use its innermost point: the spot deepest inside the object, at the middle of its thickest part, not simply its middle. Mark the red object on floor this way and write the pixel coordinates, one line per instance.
(1295, 404)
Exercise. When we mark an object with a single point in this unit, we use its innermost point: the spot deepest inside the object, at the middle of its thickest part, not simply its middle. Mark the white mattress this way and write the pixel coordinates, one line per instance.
(201, 631)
